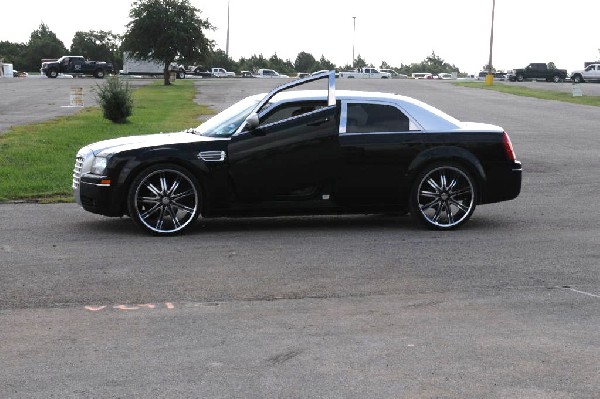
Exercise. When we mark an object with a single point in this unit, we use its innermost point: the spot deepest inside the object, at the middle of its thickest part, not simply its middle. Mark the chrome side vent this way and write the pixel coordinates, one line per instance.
(77, 172)
(212, 156)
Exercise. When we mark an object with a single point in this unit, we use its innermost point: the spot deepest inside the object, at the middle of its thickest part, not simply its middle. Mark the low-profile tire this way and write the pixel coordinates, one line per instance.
(443, 196)
(164, 199)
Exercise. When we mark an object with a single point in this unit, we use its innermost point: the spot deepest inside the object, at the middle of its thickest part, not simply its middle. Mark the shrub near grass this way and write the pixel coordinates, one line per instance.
(36, 161)
(115, 99)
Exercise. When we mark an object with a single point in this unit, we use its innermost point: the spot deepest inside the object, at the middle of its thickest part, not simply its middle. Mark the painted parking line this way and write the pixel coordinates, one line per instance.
(145, 306)
(566, 287)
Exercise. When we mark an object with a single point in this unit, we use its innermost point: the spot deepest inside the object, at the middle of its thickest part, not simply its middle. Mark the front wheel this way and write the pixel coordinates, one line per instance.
(443, 196)
(164, 199)
(577, 79)
(556, 79)
(520, 78)
(52, 73)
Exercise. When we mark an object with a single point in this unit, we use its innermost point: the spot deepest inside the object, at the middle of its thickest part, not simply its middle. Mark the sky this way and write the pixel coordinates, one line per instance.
(395, 31)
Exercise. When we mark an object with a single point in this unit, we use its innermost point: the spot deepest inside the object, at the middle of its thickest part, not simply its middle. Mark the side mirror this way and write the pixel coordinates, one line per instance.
(252, 121)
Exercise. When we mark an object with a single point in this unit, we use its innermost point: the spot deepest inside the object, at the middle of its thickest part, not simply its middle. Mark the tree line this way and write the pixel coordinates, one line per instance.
(172, 31)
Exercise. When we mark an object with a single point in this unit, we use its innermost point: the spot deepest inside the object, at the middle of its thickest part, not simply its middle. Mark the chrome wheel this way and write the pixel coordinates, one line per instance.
(164, 199)
(443, 196)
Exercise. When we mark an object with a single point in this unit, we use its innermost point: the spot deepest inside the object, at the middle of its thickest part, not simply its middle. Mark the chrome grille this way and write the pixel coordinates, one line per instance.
(77, 172)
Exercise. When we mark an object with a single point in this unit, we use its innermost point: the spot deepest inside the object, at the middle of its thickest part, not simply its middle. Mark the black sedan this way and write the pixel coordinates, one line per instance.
(294, 152)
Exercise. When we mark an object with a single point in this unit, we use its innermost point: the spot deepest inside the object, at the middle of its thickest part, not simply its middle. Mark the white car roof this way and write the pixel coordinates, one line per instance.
(429, 117)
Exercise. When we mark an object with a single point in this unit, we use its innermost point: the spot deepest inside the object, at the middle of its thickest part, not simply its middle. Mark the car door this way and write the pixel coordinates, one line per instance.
(292, 155)
(377, 143)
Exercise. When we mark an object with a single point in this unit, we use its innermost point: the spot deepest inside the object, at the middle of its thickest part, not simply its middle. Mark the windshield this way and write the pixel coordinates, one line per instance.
(225, 123)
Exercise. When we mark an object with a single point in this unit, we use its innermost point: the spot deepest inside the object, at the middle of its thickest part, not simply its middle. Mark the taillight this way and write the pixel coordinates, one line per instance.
(508, 147)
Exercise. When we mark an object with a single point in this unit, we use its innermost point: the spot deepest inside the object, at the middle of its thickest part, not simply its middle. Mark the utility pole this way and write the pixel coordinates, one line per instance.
(489, 79)
(353, 41)
(227, 43)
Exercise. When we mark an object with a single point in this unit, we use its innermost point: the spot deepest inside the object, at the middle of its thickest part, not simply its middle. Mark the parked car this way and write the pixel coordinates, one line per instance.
(246, 74)
(293, 152)
(394, 74)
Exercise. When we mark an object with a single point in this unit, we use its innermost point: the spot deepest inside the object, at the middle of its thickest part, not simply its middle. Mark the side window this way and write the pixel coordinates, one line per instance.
(289, 110)
(373, 118)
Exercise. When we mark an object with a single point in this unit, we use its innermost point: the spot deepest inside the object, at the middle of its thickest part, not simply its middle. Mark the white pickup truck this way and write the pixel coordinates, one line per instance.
(269, 73)
(221, 73)
(365, 73)
(591, 72)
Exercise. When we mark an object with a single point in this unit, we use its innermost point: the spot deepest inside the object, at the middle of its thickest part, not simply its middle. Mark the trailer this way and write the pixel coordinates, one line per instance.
(135, 66)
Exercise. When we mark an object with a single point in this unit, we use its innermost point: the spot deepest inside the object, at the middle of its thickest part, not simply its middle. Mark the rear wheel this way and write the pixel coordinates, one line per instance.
(99, 74)
(164, 199)
(443, 196)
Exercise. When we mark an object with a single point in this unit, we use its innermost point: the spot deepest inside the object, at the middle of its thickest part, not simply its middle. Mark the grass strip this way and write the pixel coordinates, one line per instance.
(36, 161)
(535, 93)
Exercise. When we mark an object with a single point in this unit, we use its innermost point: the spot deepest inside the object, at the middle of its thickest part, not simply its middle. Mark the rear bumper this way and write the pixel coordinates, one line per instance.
(503, 183)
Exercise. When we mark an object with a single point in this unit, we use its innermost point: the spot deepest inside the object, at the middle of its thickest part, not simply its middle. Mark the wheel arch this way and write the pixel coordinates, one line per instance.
(130, 169)
(450, 154)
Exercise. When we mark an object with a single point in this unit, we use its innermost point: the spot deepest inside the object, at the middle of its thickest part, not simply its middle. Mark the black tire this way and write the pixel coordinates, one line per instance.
(164, 199)
(99, 74)
(556, 79)
(52, 73)
(180, 74)
(578, 78)
(443, 196)
(520, 78)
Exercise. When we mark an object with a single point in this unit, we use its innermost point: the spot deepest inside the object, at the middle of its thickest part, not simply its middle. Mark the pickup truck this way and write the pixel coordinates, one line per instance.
(76, 65)
(591, 72)
(269, 73)
(221, 73)
(537, 71)
(366, 73)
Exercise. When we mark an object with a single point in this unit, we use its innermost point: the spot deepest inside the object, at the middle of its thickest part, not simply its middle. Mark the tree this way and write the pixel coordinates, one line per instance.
(305, 62)
(165, 30)
(13, 53)
(359, 62)
(98, 46)
(43, 43)
(324, 63)
(551, 65)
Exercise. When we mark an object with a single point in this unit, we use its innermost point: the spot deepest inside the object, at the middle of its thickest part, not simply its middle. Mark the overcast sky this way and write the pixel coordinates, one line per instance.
(395, 31)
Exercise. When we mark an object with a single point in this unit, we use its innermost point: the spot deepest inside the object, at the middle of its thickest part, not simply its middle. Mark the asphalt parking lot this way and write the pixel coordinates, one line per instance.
(330, 307)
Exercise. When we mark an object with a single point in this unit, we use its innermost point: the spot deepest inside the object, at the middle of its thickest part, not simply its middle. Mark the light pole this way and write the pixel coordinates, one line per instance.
(489, 79)
(227, 43)
(353, 41)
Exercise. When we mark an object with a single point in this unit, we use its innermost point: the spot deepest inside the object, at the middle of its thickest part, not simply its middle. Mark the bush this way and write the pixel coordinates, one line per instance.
(115, 99)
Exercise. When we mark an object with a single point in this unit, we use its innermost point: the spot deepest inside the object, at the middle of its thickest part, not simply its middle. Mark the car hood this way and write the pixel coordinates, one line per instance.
(120, 144)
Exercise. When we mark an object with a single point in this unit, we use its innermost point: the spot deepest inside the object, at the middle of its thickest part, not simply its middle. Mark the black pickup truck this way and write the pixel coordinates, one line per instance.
(537, 71)
(76, 65)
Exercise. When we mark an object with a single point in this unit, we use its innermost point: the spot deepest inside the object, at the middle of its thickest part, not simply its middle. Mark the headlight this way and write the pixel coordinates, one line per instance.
(99, 166)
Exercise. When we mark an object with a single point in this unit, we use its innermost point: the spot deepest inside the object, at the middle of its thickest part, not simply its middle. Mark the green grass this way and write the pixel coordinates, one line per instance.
(36, 161)
(536, 93)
